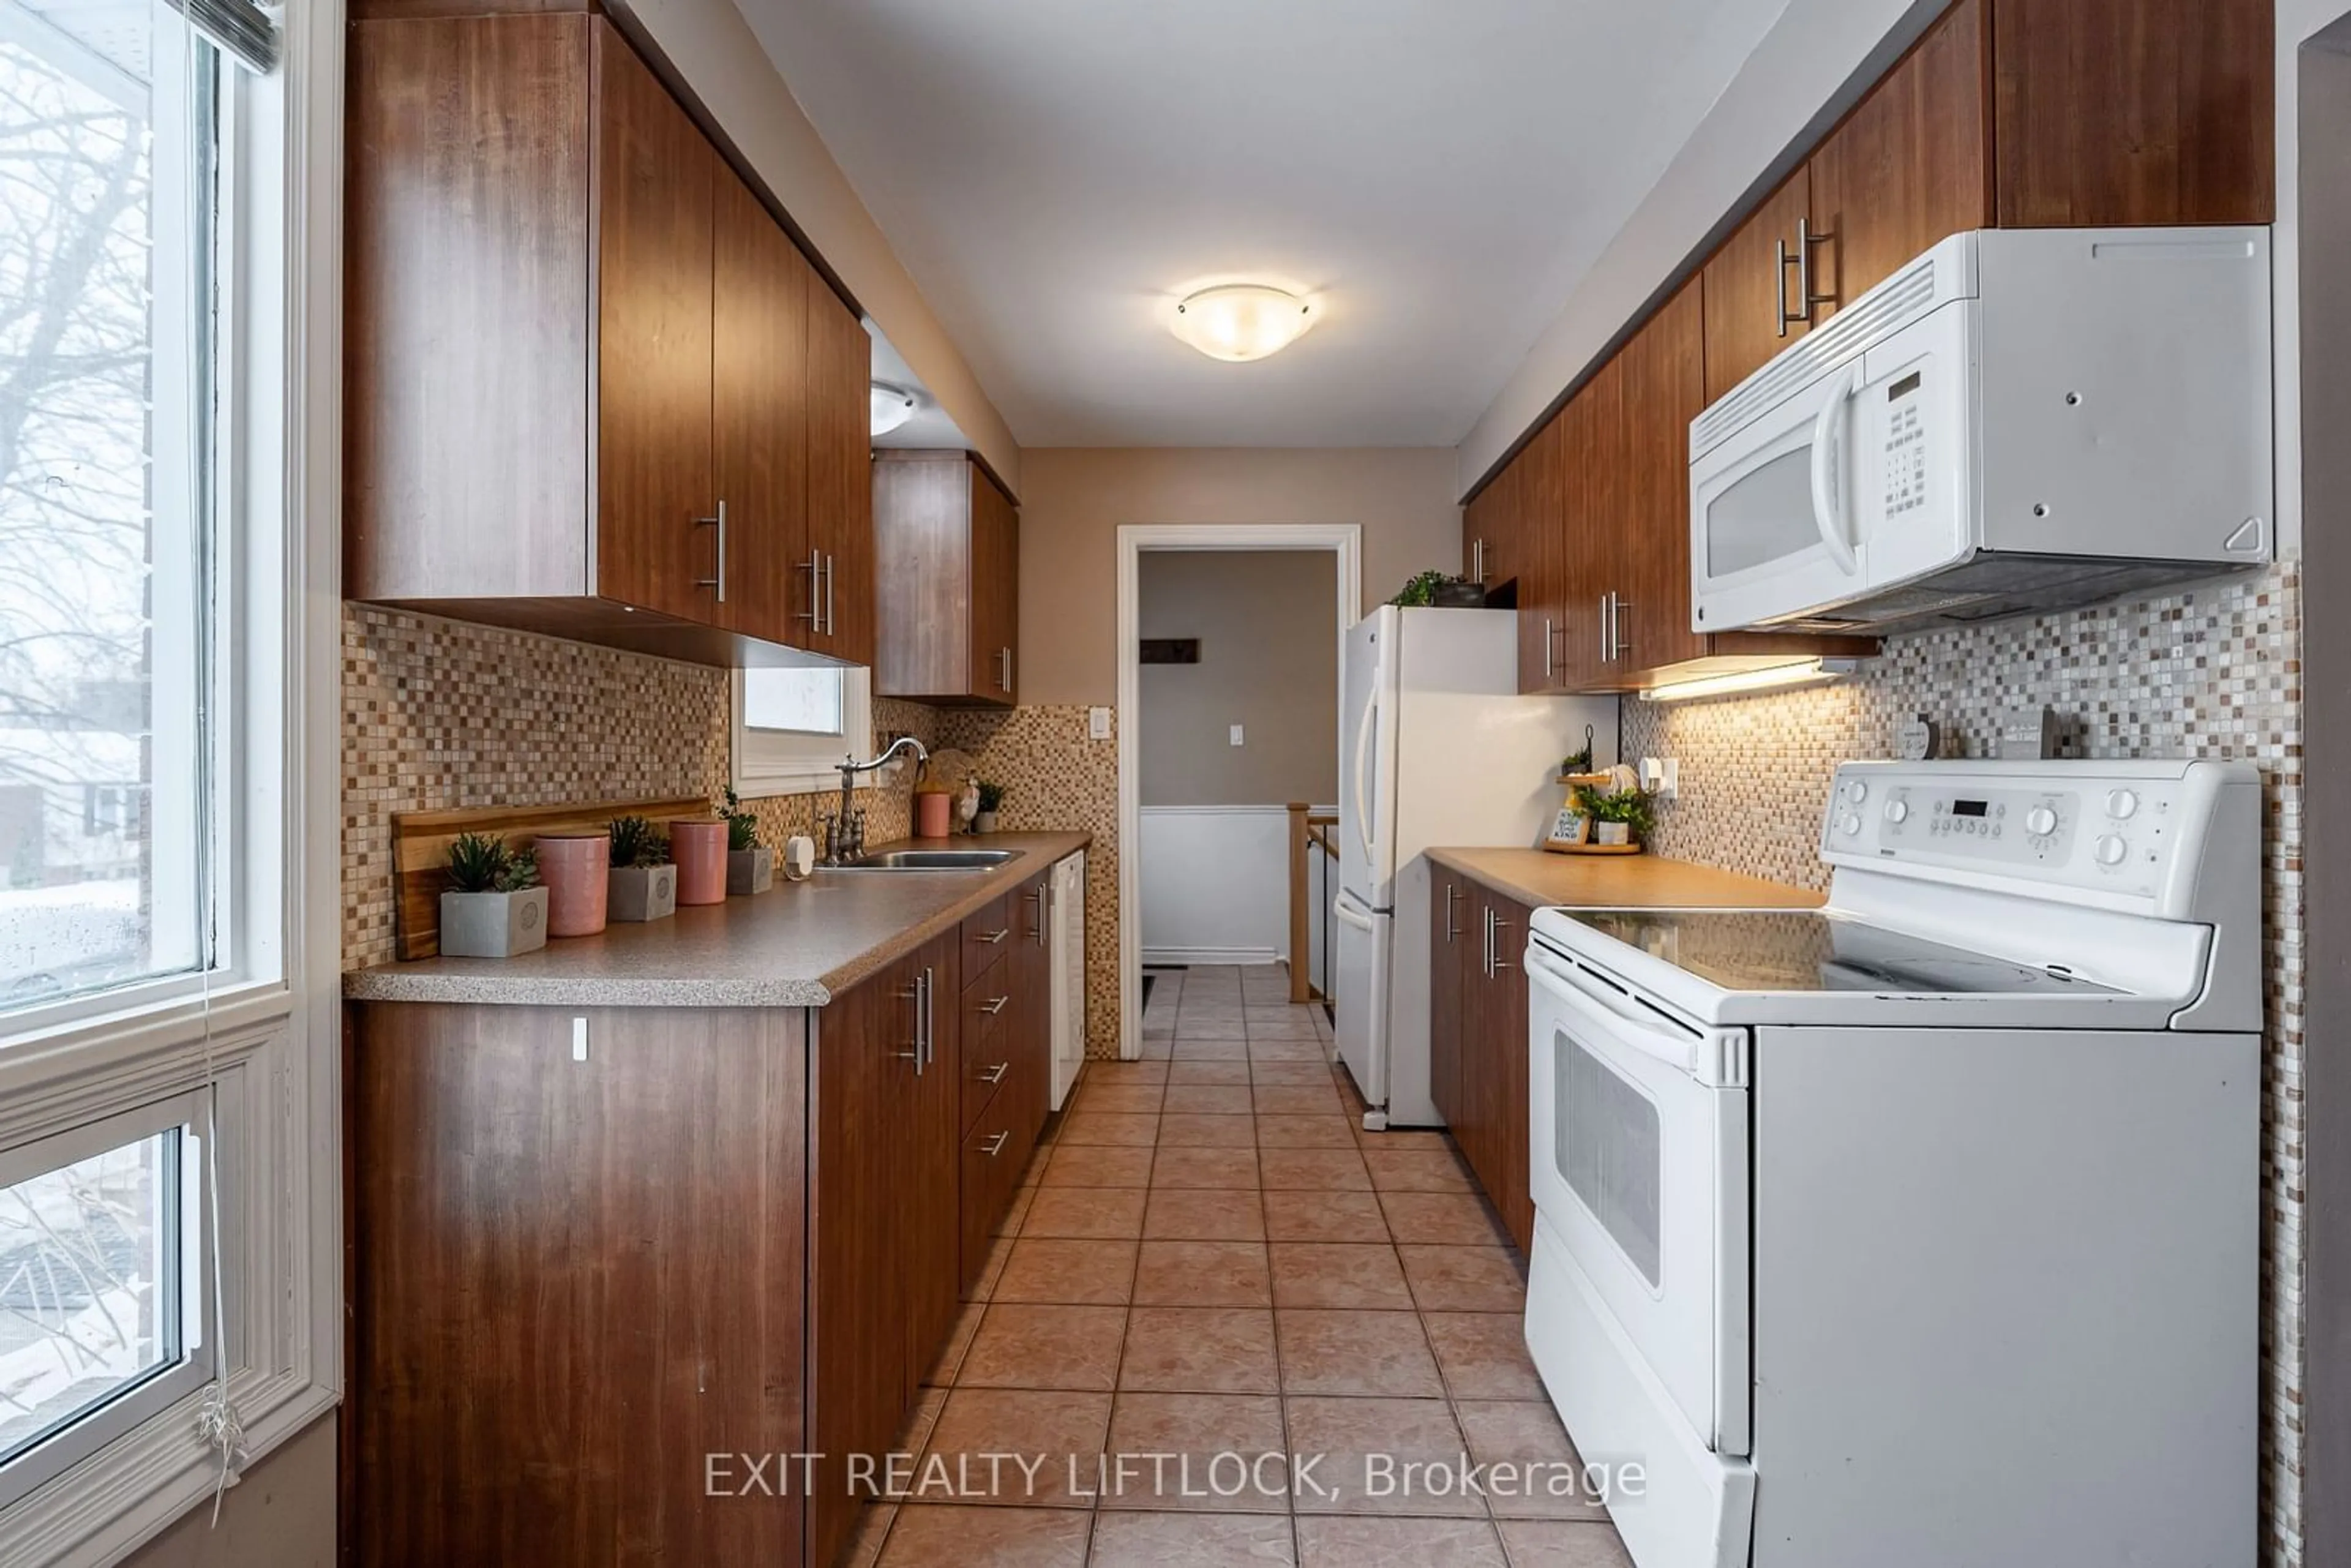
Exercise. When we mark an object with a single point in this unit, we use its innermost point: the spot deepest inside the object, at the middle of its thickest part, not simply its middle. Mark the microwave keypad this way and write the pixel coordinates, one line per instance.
(1905, 460)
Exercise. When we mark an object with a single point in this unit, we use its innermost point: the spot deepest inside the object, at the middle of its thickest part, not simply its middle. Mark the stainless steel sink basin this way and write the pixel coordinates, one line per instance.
(926, 860)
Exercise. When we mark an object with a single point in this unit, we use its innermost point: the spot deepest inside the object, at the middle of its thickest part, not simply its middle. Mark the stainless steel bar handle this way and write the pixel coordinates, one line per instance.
(930, 1017)
(996, 1144)
(1548, 634)
(914, 994)
(815, 569)
(719, 582)
(1806, 240)
(1477, 560)
(996, 939)
(1452, 896)
(995, 1005)
(1780, 287)
(996, 1074)
(1496, 927)
(1617, 643)
(1486, 958)
(1037, 895)
(831, 569)
(1604, 640)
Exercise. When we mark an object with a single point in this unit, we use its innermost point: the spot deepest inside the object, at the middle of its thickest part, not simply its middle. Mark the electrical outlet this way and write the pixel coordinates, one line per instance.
(1237, 734)
(1662, 776)
(1098, 723)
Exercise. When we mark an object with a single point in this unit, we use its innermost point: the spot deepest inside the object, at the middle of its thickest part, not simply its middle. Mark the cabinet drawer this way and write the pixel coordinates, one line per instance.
(994, 1152)
(987, 1054)
(987, 936)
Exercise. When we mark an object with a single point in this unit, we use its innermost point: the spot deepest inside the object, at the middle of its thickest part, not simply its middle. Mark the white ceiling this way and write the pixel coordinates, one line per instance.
(1054, 173)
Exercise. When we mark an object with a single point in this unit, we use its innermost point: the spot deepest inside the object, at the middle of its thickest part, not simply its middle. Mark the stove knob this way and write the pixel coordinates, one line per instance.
(1898, 811)
(2121, 803)
(1851, 824)
(2039, 820)
(2112, 850)
(1857, 792)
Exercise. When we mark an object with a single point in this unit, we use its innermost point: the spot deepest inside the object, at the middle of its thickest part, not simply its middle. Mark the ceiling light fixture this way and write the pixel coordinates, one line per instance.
(892, 406)
(1242, 321)
(1773, 677)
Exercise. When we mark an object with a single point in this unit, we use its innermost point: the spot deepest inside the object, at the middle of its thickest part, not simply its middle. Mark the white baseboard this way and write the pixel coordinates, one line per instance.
(1164, 957)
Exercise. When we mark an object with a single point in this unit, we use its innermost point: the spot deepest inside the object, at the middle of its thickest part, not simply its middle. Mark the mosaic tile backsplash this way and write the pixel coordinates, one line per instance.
(2213, 671)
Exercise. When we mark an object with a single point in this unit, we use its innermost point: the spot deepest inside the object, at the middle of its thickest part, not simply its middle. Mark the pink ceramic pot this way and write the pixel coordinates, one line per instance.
(699, 845)
(574, 870)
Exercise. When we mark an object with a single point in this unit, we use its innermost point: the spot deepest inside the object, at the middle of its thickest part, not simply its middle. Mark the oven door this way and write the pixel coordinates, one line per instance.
(1638, 1163)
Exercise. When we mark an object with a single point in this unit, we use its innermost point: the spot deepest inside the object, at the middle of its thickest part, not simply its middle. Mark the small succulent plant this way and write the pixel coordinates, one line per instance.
(637, 842)
(1636, 808)
(481, 862)
(742, 826)
(991, 796)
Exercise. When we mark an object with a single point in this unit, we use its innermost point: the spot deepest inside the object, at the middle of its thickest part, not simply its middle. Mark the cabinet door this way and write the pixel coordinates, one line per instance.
(652, 173)
(1747, 290)
(840, 478)
(1541, 560)
(927, 1162)
(1488, 551)
(994, 554)
(1511, 1190)
(2116, 112)
(1473, 1131)
(1591, 530)
(1911, 164)
(760, 433)
(1660, 390)
(1447, 936)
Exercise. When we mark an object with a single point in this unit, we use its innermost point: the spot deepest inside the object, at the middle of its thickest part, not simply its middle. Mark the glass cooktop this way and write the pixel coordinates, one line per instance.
(1810, 950)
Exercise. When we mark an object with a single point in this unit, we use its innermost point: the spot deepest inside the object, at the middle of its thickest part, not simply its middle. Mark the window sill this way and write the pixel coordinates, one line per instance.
(89, 1044)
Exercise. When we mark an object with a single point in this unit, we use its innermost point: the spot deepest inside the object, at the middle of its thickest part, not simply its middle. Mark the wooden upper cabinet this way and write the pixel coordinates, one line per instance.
(576, 337)
(760, 299)
(1660, 389)
(1911, 165)
(2134, 111)
(1489, 528)
(1541, 553)
(1752, 294)
(947, 543)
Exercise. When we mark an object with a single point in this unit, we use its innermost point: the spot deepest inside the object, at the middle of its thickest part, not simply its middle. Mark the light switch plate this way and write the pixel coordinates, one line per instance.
(1098, 723)
(1237, 734)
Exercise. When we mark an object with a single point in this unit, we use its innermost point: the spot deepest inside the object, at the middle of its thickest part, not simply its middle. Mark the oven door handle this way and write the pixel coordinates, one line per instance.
(1717, 1057)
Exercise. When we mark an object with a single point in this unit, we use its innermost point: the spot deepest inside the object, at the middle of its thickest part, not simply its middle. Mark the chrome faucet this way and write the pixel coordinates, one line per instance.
(837, 846)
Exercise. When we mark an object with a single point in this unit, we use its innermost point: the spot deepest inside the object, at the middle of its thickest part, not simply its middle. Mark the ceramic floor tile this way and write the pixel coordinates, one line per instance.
(1461, 1278)
(1484, 1355)
(1195, 1430)
(1350, 1274)
(1157, 1048)
(1068, 1272)
(1104, 1213)
(1205, 1132)
(1199, 1350)
(1191, 1541)
(984, 1287)
(1297, 1100)
(1290, 1074)
(1355, 1353)
(1203, 1274)
(929, 1536)
(1021, 1346)
(1421, 1139)
(1098, 1165)
(1118, 1098)
(1359, 1542)
(1196, 1070)
(1210, 1049)
(1276, 1049)
(1207, 1099)
(1416, 1170)
(1324, 1216)
(1126, 1072)
(1304, 1133)
(1322, 1170)
(1280, 1029)
(1368, 1444)
(1561, 1543)
(1547, 1480)
(873, 1522)
(979, 1423)
(1438, 1218)
(950, 1355)
(1084, 1126)
(1210, 1167)
(1008, 1223)
(1204, 1216)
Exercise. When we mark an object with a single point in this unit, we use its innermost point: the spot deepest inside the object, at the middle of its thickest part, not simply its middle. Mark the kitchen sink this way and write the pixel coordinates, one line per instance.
(926, 860)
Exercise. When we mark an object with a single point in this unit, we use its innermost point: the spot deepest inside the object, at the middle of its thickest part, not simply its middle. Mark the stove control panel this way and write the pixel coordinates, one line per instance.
(2062, 823)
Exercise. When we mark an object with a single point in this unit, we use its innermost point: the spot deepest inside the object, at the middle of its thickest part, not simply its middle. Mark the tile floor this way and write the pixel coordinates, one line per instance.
(1210, 1257)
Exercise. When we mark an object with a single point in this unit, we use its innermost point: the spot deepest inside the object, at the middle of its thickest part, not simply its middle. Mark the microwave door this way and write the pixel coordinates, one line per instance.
(1915, 428)
(1772, 527)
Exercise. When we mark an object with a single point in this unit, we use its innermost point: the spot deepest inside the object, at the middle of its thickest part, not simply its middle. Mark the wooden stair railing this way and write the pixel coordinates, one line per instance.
(1309, 828)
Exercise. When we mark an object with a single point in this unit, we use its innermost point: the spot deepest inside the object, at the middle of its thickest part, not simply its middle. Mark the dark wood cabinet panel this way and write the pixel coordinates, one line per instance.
(1478, 1043)
(656, 501)
(840, 479)
(1446, 936)
(1595, 536)
(926, 1170)
(994, 590)
(1911, 165)
(573, 1279)
(1662, 387)
(948, 540)
(759, 308)
(1541, 560)
(2134, 111)
(1747, 287)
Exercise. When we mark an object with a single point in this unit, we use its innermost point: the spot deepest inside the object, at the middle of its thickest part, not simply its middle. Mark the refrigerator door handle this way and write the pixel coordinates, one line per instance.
(1363, 732)
(1349, 916)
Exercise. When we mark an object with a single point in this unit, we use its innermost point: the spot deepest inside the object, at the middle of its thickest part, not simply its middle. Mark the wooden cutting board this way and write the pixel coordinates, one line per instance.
(420, 841)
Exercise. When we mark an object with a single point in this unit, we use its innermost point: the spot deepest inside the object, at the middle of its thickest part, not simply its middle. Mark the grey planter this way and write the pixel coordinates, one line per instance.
(750, 871)
(1612, 832)
(493, 925)
(640, 893)
(984, 822)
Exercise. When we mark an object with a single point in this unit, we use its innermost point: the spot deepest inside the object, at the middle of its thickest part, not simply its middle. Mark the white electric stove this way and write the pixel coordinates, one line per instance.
(1923, 1227)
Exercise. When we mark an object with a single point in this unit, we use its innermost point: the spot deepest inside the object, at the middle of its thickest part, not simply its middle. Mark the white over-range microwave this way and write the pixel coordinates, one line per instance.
(2019, 419)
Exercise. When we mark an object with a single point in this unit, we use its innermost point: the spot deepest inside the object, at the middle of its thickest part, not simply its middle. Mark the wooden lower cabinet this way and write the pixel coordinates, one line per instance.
(718, 1231)
(1479, 1051)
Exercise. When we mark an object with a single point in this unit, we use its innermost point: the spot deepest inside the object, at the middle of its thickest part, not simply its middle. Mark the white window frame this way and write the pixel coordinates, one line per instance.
(777, 762)
(267, 1030)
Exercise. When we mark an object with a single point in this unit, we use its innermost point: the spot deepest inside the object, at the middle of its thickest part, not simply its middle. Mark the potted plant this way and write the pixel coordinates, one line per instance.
(1443, 591)
(750, 864)
(494, 907)
(991, 800)
(642, 882)
(1619, 816)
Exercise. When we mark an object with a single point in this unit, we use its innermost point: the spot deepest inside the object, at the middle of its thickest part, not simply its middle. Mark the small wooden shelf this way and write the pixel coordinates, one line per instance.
(1594, 849)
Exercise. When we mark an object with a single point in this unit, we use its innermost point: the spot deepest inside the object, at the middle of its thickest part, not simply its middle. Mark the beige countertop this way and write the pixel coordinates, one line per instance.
(1608, 882)
(799, 944)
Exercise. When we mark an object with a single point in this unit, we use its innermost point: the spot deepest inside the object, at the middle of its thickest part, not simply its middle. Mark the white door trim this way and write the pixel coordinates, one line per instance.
(1345, 540)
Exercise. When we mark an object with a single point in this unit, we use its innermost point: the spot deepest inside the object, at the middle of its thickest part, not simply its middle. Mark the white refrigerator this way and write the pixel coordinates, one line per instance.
(1436, 748)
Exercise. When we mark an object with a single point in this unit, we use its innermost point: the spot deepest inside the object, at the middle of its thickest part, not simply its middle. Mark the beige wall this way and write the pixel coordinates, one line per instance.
(1072, 500)
(280, 1515)
(1268, 662)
